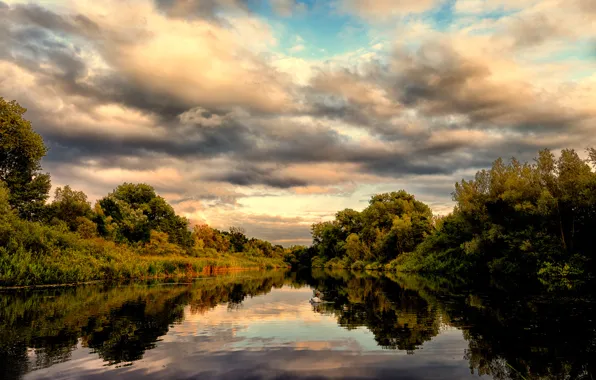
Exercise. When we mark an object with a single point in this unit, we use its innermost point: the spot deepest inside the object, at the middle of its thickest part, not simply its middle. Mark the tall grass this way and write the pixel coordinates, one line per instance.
(35, 254)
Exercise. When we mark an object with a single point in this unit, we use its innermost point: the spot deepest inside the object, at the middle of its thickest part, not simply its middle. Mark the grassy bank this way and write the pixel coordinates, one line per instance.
(28, 270)
(36, 254)
(75, 267)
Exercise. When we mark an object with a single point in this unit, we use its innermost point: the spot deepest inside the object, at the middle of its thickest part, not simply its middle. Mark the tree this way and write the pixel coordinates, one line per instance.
(136, 209)
(237, 238)
(519, 219)
(5, 209)
(205, 237)
(355, 250)
(328, 239)
(21, 150)
(349, 221)
(392, 224)
(70, 205)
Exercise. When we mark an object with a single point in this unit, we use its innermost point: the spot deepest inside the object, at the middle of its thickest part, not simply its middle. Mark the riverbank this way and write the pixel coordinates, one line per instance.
(100, 260)
(189, 275)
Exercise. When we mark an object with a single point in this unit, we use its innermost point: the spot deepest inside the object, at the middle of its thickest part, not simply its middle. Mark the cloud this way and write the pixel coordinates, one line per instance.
(207, 9)
(286, 8)
(188, 57)
(439, 80)
(483, 6)
(196, 98)
(375, 9)
(535, 30)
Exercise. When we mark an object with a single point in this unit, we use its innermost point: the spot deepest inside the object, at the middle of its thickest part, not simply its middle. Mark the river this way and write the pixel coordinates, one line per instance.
(260, 325)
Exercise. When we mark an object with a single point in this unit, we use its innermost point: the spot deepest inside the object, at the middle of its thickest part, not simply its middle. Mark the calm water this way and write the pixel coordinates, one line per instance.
(261, 326)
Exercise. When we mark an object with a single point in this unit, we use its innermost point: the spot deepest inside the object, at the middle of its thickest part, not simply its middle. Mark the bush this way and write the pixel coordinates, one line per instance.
(358, 265)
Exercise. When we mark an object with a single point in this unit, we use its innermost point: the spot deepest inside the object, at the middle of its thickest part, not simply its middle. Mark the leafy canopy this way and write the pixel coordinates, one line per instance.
(21, 150)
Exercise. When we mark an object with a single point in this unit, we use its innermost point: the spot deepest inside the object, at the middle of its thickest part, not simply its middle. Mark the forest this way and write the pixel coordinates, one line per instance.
(131, 232)
(534, 220)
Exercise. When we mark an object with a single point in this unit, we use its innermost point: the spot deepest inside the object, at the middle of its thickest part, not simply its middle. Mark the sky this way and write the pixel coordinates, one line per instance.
(272, 115)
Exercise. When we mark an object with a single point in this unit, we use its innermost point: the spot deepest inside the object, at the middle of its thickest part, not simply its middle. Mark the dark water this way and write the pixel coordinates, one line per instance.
(261, 326)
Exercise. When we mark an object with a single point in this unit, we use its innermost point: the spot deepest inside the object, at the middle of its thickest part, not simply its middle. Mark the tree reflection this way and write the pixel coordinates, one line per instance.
(513, 332)
(40, 328)
(399, 318)
(519, 331)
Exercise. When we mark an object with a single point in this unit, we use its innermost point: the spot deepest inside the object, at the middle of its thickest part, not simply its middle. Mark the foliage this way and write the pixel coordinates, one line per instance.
(514, 219)
(21, 150)
(70, 206)
(518, 219)
(392, 224)
(299, 256)
(318, 262)
(134, 210)
(34, 253)
(374, 266)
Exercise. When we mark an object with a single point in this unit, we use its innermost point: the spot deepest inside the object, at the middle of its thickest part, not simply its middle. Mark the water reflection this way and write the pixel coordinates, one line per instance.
(260, 325)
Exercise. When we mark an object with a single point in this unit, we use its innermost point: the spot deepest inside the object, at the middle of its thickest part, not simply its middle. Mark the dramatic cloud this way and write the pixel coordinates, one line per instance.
(199, 98)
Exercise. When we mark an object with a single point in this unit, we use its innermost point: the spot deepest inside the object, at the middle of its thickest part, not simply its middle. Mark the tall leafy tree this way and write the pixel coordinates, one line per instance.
(21, 150)
(135, 210)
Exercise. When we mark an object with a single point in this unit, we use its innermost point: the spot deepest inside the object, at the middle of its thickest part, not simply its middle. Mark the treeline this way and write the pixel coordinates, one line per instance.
(524, 219)
(128, 233)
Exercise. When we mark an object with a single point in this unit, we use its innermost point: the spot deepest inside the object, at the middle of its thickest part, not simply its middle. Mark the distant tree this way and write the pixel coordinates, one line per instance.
(237, 238)
(328, 239)
(70, 205)
(392, 224)
(21, 150)
(135, 210)
(355, 250)
(205, 237)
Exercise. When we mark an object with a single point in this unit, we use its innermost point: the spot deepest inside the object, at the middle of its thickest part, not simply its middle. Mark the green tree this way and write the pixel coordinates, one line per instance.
(21, 150)
(5, 208)
(355, 250)
(135, 210)
(328, 239)
(395, 223)
(70, 205)
(392, 224)
(519, 219)
(237, 238)
(205, 237)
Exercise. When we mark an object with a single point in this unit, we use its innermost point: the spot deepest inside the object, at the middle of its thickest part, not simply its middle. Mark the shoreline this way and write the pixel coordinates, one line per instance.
(207, 271)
